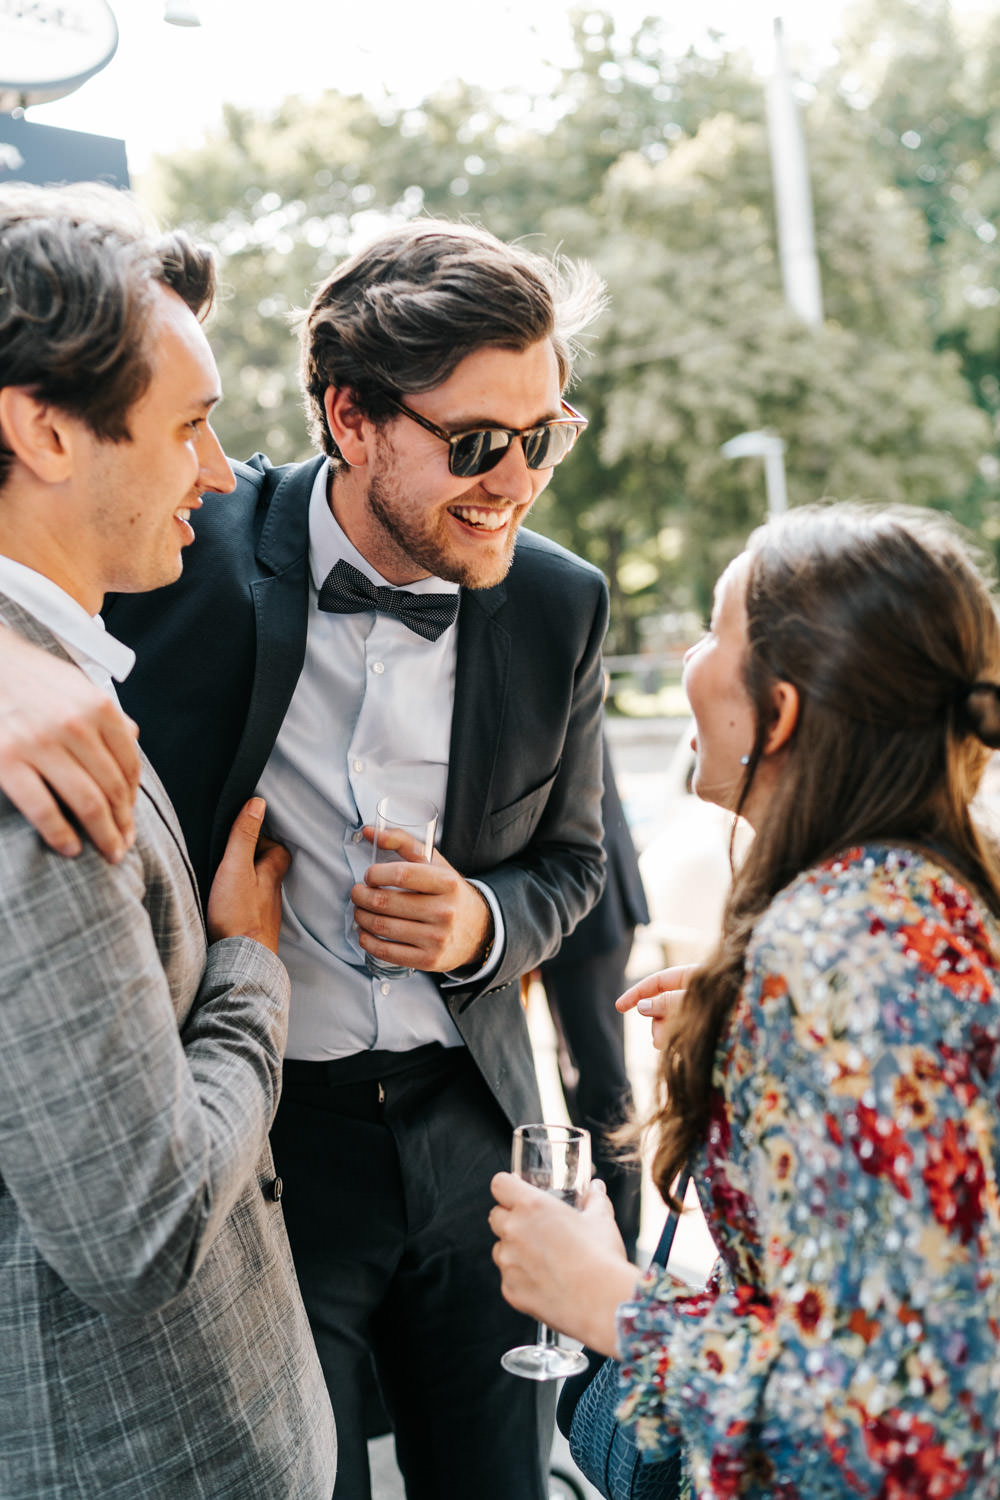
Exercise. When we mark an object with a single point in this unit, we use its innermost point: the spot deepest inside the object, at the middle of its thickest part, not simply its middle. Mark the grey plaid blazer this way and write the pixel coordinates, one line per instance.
(152, 1339)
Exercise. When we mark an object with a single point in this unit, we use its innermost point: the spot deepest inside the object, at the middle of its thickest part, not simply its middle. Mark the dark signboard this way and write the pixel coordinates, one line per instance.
(42, 154)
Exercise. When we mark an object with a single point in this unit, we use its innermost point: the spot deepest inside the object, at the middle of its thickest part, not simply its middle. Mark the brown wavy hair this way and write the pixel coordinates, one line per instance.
(884, 621)
(400, 315)
(78, 271)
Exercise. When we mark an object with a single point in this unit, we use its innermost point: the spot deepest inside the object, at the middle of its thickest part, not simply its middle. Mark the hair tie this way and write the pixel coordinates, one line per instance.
(981, 707)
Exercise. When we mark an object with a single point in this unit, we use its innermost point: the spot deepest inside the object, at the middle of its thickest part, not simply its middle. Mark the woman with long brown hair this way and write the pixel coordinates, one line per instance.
(832, 1073)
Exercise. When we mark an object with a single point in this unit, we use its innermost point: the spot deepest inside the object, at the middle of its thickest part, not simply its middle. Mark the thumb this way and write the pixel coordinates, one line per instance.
(597, 1200)
(243, 836)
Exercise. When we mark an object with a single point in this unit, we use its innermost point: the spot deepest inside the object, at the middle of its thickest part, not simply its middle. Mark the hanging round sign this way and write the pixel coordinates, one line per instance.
(49, 47)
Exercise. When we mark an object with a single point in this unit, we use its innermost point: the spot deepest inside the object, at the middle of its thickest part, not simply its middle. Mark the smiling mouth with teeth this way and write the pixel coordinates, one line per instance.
(481, 519)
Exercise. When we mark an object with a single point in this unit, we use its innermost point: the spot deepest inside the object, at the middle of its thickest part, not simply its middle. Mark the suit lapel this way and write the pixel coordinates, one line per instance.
(154, 791)
(280, 603)
(482, 672)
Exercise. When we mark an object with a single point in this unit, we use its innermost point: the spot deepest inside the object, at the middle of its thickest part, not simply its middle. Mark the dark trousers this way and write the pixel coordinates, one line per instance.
(581, 995)
(386, 1197)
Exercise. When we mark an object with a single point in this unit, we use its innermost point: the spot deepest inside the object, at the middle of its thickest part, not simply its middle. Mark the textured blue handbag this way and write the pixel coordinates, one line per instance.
(603, 1450)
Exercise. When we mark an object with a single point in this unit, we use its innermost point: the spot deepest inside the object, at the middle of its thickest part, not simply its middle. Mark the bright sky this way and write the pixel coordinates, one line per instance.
(166, 84)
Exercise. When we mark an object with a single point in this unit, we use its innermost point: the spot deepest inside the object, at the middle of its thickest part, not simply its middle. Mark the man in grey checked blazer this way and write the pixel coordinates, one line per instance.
(152, 1338)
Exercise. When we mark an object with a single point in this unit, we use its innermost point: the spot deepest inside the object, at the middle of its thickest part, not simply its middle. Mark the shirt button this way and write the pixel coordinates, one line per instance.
(357, 837)
(275, 1189)
(357, 765)
(378, 667)
(385, 988)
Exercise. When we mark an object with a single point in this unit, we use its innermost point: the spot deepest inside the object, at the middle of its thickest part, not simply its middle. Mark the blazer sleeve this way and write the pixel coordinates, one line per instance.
(545, 887)
(622, 905)
(123, 1142)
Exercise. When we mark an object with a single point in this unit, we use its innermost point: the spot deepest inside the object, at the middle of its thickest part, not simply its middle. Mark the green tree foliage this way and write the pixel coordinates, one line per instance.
(655, 167)
(921, 82)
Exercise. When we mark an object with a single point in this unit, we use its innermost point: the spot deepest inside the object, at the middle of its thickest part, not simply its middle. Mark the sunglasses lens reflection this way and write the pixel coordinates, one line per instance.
(547, 446)
(478, 452)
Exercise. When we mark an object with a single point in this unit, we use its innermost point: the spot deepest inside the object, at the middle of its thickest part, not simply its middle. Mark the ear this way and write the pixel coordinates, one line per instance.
(350, 429)
(37, 434)
(784, 717)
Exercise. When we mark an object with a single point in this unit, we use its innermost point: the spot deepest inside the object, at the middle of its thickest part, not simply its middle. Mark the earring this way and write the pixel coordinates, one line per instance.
(744, 760)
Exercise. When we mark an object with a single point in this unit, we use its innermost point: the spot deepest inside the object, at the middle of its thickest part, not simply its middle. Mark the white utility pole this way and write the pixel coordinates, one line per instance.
(793, 201)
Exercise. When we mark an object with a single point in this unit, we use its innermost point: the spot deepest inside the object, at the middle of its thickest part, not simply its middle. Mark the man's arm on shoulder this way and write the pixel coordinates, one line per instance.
(124, 1143)
(65, 748)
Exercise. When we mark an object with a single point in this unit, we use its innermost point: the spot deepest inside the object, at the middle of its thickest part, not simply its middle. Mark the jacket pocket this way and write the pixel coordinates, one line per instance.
(520, 817)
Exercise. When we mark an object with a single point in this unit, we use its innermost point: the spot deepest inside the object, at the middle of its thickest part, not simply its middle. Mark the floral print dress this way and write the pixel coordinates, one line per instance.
(848, 1343)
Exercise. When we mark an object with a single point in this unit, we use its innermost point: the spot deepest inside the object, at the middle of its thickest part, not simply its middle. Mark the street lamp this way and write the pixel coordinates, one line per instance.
(770, 447)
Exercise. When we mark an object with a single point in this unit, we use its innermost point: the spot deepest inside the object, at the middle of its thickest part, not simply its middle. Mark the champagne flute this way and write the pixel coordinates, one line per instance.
(556, 1158)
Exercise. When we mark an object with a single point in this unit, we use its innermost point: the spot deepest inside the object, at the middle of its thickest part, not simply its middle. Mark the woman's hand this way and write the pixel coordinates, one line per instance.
(564, 1268)
(658, 997)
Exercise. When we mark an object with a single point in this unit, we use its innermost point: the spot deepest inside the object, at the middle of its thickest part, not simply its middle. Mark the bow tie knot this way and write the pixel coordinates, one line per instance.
(347, 591)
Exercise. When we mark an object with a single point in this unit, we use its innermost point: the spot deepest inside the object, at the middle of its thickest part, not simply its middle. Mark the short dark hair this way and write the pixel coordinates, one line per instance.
(401, 315)
(78, 271)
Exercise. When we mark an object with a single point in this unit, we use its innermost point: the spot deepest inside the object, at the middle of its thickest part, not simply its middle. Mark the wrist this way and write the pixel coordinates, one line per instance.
(615, 1284)
(486, 946)
(486, 936)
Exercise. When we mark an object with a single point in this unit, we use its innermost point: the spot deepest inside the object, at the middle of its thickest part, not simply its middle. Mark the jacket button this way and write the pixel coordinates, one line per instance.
(275, 1188)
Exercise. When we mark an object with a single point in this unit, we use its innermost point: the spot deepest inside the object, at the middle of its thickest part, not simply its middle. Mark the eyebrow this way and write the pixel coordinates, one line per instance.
(205, 404)
(472, 423)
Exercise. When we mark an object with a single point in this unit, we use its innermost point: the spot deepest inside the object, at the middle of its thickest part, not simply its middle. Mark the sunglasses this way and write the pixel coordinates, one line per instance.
(481, 448)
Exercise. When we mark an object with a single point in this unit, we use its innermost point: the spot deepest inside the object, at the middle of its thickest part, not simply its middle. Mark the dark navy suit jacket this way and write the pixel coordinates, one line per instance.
(622, 907)
(220, 652)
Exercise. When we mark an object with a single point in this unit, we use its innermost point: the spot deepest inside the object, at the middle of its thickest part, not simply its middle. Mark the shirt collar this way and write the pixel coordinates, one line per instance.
(83, 636)
(328, 543)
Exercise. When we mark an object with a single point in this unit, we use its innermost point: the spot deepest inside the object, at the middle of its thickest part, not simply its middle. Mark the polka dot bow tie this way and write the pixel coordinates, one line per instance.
(345, 591)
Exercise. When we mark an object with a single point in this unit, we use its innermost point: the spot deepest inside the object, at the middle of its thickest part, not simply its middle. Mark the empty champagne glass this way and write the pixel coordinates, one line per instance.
(556, 1158)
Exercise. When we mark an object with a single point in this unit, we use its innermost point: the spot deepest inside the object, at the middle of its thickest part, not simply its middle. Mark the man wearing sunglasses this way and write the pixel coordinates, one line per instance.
(373, 621)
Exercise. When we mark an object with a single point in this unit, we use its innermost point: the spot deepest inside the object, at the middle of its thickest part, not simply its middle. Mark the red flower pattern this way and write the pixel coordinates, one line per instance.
(913, 1463)
(947, 955)
(955, 1181)
(882, 1149)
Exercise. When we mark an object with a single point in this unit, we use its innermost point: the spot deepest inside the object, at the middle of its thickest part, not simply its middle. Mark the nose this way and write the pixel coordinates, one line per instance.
(512, 479)
(215, 474)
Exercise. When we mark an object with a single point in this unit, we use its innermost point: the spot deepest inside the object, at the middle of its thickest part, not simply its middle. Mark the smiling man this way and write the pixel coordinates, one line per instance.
(373, 621)
(152, 1338)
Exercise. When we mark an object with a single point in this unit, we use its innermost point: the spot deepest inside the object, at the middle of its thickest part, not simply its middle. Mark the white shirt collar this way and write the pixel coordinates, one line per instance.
(83, 636)
(328, 543)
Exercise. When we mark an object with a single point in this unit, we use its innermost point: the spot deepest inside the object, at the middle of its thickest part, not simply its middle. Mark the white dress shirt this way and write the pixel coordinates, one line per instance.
(83, 637)
(370, 716)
